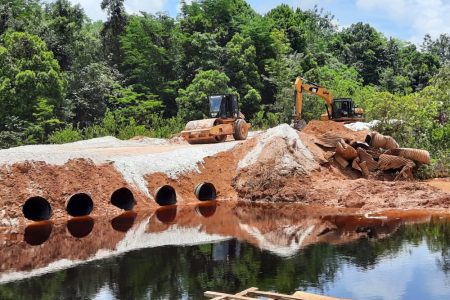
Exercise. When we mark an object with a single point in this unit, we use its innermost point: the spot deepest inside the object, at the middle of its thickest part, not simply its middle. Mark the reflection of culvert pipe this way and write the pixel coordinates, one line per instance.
(166, 195)
(38, 233)
(124, 222)
(205, 191)
(123, 198)
(80, 227)
(206, 210)
(37, 209)
(80, 205)
(166, 215)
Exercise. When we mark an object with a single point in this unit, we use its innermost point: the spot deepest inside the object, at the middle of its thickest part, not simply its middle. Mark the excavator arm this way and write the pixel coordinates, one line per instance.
(302, 86)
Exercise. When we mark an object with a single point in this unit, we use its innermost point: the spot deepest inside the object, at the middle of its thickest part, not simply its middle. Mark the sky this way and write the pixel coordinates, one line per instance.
(408, 20)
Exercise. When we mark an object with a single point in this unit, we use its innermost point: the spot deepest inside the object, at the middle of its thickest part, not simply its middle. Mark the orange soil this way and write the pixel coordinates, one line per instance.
(326, 185)
(58, 183)
(441, 183)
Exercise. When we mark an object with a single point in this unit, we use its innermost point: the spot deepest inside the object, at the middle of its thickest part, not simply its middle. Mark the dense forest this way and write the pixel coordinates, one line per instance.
(64, 77)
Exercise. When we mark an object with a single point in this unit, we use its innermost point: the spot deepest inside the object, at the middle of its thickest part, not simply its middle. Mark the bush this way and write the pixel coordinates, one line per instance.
(66, 135)
(265, 120)
(166, 128)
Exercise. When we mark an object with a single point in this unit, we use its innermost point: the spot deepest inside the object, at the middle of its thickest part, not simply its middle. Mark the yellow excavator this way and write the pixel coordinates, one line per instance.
(225, 119)
(339, 110)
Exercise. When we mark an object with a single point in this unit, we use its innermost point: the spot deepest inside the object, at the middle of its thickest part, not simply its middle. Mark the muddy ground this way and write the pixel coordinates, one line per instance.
(279, 165)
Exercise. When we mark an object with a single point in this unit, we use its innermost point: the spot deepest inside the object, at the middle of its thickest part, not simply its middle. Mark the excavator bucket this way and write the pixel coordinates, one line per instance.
(206, 131)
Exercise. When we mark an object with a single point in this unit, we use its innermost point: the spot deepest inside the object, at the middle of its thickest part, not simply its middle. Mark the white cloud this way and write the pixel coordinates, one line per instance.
(421, 16)
(93, 10)
(150, 6)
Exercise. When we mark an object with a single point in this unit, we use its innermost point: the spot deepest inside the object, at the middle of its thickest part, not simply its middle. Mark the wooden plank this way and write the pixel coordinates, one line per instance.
(308, 296)
(216, 296)
(271, 295)
(244, 293)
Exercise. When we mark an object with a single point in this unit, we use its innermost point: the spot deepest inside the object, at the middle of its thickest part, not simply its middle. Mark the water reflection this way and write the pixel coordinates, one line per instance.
(167, 214)
(80, 227)
(206, 209)
(235, 246)
(38, 233)
(124, 222)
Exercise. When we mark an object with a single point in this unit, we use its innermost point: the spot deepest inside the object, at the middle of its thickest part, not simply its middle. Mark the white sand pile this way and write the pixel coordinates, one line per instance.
(361, 126)
(282, 144)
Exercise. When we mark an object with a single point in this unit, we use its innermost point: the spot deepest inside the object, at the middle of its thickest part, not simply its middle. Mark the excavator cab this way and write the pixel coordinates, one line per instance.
(223, 106)
(343, 110)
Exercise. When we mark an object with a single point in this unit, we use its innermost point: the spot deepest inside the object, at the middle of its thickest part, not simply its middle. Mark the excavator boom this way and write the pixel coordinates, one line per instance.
(343, 113)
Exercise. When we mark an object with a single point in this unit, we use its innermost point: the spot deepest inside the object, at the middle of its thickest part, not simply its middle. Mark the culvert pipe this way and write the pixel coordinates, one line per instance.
(80, 205)
(124, 199)
(166, 195)
(37, 209)
(205, 191)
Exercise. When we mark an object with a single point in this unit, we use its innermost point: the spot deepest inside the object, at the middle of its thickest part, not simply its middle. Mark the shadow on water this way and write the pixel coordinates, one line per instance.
(207, 209)
(38, 233)
(80, 227)
(167, 214)
(232, 247)
(124, 222)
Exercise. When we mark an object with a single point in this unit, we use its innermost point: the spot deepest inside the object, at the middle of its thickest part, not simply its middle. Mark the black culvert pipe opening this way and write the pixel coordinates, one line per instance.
(123, 198)
(166, 195)
(205, 191)
(80, 205)
(37, 209)
(38, 233)
(80, 227)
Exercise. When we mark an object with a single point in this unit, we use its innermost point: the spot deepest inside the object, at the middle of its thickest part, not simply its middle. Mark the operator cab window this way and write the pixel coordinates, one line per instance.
(215, 103)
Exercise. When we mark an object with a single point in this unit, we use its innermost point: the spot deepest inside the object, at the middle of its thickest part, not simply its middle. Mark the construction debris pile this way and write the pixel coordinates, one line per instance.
(377, 157)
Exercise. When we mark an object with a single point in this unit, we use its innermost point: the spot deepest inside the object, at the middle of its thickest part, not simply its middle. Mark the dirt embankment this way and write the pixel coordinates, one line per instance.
(279, 165)
(331, 185)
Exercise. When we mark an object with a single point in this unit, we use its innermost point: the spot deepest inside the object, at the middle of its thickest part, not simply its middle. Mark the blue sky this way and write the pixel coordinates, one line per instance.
(405, 19)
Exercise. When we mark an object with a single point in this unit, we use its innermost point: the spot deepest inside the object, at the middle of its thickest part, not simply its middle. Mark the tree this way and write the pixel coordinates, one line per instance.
(89, 91)
(63, 31)
(151, 57)
(439, 46)
(29, 73)
(32, 86)
(419, 67)
(362, 47)
(192, 101)
(243, 72)
(20, 15)
(113, 28)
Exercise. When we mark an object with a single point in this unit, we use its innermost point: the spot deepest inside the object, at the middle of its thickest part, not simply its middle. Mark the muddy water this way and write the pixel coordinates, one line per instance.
(180, 252)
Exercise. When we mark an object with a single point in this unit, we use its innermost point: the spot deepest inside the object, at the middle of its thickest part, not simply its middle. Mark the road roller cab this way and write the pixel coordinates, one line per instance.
(225, 119)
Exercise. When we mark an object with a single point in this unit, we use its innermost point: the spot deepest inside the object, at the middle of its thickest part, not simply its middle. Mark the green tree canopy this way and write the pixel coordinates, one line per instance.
(29, 73)
(193, 102)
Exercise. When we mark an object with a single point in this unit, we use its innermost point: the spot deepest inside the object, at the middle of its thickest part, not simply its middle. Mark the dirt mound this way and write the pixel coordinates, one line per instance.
(331, 128)
(278, 155)
(291, 167)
